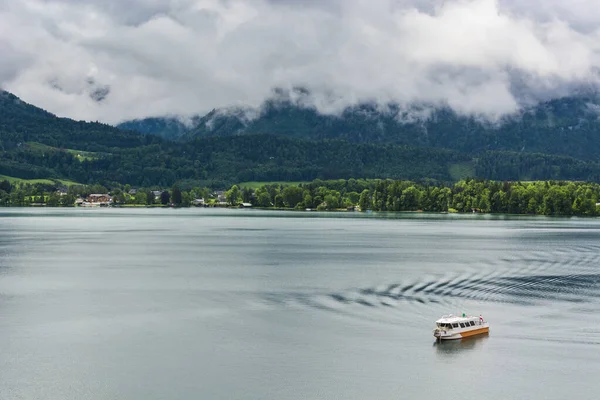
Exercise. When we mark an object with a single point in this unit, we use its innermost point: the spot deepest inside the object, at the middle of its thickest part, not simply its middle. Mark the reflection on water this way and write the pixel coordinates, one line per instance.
(154, 304)
(453, 347)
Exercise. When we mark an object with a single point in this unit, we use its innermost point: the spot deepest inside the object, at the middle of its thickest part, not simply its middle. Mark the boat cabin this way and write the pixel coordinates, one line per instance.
(448, 325)
(455, 322)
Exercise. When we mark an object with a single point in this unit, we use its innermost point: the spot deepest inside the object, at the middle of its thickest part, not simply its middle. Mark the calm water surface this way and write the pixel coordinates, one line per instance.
(245, 304)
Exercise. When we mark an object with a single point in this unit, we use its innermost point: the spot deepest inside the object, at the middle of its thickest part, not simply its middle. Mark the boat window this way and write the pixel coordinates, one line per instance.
(472, 323)
(462, 325)
(455, 325)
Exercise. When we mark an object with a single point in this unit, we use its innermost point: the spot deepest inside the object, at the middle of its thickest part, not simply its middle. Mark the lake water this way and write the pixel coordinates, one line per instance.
(247, 304)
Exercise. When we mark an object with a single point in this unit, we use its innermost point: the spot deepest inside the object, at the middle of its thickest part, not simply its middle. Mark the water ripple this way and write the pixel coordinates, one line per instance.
(522, 290)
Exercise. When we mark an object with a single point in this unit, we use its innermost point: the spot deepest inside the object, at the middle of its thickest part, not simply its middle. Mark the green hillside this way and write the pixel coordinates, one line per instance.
(14, 180)
(21, 122)
(35, 144)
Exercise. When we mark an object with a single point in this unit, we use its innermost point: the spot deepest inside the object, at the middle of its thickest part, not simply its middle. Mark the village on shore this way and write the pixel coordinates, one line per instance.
(216, 199)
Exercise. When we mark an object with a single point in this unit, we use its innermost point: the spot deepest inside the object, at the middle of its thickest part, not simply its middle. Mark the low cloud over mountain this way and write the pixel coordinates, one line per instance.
(157, 57)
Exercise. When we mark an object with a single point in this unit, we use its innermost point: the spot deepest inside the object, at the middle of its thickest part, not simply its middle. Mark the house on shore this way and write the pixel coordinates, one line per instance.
(99, 198)
(220, 196)
(95, 200)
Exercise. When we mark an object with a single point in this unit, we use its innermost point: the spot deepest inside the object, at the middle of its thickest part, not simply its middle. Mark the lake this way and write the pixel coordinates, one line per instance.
(248, 304)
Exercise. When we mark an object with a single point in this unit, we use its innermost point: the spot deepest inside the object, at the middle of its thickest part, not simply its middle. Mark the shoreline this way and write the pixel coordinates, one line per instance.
(297, 211)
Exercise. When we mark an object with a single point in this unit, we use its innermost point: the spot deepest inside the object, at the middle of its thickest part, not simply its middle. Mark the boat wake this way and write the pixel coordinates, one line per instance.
(528, 278)
(522, 290)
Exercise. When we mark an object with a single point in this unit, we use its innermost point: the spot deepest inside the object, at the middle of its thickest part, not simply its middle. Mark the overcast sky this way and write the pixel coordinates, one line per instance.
(112, 60)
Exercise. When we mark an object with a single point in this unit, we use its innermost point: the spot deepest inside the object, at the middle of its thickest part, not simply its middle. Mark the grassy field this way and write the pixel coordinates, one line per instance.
(461, 171)
(83, 155)
(80, 155)
(17, 181)
(256, 185)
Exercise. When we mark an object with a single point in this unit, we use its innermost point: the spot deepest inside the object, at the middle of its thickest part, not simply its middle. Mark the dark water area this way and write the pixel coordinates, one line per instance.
(247, 304)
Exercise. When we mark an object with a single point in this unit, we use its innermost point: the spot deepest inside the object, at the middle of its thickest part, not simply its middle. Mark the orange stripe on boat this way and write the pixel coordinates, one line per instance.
(475, 332)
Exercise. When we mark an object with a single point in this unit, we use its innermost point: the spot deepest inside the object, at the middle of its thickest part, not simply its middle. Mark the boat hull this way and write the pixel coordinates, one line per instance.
(465, 334)
(480, 331)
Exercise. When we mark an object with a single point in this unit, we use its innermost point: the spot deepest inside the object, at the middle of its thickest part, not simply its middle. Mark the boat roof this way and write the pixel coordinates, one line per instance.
(449, 319)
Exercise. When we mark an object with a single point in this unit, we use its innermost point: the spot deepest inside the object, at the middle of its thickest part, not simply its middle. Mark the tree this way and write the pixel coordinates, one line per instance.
(186, 199)
(141, 197)
(410, 198)
(67, 200)
(532, 206)
(353, 198)
(5, 186)
(263, 200)
(292, 195)
(279, 201)
(365, 200)
(98, 189)
(149, 198)
(53, 200)
(233, 195)
(332, 200)
(499, 202)
(118, 196)
(17, 197)
(246, 195)
(165, 197)
(584, 206)
(176, 197)
(307, 199)
(484, 201)
(444, 199)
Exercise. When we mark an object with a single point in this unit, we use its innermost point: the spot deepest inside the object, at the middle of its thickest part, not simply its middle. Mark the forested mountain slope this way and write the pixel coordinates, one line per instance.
(566, 126)
(171, 128)
(37, 144)
(21, 122)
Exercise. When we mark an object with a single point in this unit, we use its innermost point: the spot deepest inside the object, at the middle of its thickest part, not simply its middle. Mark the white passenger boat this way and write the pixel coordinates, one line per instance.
(455, 327)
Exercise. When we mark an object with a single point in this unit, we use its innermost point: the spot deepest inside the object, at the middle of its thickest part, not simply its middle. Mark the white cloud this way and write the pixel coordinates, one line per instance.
(189, 56)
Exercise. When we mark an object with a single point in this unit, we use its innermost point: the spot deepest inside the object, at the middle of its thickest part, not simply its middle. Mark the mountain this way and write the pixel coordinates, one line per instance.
(566, 126)
(166, 127)
(21, 122)
(38, 144)
(227, 122)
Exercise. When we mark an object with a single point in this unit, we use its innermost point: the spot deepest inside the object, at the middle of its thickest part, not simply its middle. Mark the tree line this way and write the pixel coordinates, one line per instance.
(538, 197)
(471, 195)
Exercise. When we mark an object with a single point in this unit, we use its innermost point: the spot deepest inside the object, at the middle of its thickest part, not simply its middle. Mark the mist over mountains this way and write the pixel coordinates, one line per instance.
(565, 126)
(147, 58)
